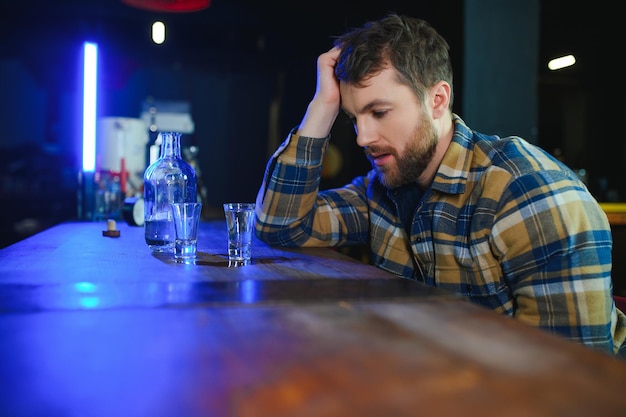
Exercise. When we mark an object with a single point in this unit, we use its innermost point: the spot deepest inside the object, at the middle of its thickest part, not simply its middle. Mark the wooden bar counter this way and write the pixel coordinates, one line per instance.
(98, 326)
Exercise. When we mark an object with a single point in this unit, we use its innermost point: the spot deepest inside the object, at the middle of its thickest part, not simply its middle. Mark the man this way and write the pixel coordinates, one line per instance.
(497, 220)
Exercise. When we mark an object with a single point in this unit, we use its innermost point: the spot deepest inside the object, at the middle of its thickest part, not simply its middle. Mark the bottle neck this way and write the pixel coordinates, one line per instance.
(170, 145)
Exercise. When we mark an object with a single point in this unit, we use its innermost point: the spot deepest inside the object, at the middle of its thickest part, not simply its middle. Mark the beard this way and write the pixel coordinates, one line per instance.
(413, 161)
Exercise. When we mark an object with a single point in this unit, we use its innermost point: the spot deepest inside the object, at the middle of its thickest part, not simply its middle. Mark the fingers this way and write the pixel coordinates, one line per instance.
(329, 58)
(327, 83)
(334, 51)
(324, 107)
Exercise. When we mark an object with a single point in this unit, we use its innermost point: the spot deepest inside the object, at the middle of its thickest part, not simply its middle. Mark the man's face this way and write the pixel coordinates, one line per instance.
(397, 134)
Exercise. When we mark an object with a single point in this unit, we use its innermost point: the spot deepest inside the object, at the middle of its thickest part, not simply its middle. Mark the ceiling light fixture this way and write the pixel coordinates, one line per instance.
(158, 32)
(561, 62)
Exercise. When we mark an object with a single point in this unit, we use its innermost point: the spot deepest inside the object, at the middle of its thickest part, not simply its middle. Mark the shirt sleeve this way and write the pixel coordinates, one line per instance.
(291, 210)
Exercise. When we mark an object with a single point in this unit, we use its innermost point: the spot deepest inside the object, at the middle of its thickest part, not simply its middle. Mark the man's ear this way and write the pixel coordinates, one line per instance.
(440, 98)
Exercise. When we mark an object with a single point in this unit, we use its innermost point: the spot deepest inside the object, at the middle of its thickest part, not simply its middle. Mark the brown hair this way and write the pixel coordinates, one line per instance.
(412, 46)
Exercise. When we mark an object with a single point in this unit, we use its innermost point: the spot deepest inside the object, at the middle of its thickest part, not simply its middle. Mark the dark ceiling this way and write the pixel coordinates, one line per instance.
(232, 27)
(231, 34)
(238, 28)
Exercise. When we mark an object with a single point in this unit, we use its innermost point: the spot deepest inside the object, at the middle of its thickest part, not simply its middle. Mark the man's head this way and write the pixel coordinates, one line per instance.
(395, 81)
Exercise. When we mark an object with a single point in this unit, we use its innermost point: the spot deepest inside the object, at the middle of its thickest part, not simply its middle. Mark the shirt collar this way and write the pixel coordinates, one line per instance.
(454, 170)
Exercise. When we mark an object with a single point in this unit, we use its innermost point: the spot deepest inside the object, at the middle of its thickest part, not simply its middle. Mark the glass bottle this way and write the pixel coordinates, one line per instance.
(170, 179)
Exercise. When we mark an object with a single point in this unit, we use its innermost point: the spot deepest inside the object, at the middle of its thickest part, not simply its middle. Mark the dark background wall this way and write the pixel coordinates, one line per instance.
(247, 68)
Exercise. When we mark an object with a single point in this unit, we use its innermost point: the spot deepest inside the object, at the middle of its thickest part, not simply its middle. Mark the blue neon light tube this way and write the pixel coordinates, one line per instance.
(90, 91)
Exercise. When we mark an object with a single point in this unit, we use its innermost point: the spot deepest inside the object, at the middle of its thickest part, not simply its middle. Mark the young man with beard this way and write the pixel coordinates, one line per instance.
(496, 220)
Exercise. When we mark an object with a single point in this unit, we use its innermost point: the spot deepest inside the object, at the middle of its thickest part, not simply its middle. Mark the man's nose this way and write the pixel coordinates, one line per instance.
(365, 135)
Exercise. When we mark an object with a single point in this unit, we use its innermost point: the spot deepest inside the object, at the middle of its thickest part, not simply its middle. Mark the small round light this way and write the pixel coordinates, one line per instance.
(158, 32)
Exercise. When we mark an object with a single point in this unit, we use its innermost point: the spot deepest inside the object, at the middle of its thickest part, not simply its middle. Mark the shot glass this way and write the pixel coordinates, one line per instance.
(186, 219)
(240, 224)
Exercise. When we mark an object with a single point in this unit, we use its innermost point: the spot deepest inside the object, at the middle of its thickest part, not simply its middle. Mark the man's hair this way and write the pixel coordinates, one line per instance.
(412, 46)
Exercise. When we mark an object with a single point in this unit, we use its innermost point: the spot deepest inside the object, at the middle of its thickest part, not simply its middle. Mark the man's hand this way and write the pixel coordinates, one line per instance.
(327, 90)
(324, 107)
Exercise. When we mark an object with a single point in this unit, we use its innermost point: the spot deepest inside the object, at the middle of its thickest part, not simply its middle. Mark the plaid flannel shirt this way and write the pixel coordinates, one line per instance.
(503, 224)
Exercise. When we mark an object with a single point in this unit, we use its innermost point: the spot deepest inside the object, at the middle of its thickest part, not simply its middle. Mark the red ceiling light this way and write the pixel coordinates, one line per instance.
(170, 6)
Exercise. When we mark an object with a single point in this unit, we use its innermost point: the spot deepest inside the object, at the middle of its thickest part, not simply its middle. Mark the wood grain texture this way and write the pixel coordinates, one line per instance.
(100, 327)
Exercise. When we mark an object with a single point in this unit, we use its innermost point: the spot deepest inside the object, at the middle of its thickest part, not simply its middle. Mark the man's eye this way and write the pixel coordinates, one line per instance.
(379, 114)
